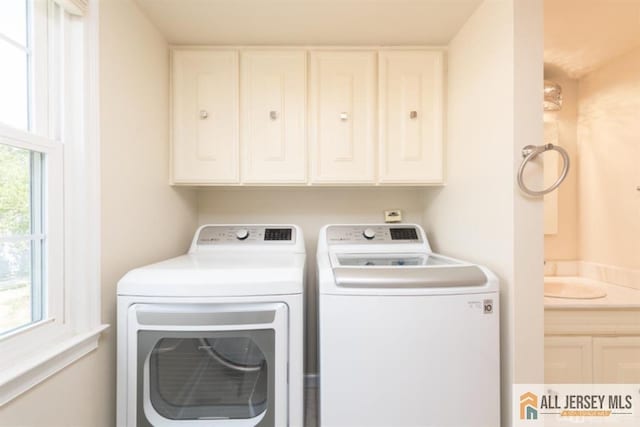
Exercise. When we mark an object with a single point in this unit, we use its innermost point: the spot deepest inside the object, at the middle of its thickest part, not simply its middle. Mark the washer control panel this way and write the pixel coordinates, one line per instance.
(356, 234)
(249, 234)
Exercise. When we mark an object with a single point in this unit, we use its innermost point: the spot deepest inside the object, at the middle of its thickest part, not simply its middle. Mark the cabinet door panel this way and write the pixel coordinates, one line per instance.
(273, 116)
(342, 117)
(616, 360)
(205, 116)
(567, 360)
(410, 116)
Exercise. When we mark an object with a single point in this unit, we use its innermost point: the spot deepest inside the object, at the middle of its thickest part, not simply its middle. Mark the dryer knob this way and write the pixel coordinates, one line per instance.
(242, 234)
(369, 233)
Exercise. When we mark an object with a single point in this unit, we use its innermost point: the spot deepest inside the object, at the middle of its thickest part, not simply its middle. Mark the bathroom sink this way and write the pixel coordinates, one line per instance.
(571, 290)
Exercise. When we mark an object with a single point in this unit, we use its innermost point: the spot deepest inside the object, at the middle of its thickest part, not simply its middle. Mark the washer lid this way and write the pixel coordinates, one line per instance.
(397, 273)
(372, 259)
(251, 274)
(425, 277)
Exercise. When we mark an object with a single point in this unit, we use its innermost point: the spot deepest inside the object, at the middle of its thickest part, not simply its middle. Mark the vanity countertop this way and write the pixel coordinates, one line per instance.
(618, 297)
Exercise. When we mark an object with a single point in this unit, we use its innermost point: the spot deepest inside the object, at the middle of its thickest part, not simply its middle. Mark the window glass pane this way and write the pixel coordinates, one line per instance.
(15, 285)
(13, 20)
(15, 191)
(20, 247)
(14, 101)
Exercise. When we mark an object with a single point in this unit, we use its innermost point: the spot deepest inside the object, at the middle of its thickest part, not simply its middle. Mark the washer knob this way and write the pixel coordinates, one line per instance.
(242, 234)
(369, 233)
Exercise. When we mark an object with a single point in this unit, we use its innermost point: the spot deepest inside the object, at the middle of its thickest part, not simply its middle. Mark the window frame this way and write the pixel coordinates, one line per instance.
(13, 342)
(71, 325)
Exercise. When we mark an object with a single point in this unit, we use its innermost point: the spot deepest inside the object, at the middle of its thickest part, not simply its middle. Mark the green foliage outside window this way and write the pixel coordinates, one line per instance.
(14, 191)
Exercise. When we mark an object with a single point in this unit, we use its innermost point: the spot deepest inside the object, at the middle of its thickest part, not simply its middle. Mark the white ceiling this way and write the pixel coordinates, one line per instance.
(581, 35)
(321, 22)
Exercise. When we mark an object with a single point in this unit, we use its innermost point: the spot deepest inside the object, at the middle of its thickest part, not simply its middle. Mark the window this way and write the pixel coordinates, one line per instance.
(22, 212)
(22, 238)
(49, 276)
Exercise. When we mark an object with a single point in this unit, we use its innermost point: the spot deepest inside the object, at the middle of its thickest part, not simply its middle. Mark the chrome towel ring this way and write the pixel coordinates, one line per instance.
(529, 153)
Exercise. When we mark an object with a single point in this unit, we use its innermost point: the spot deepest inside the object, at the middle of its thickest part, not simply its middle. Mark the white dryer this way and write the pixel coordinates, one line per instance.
(407, 338)
(215, 337)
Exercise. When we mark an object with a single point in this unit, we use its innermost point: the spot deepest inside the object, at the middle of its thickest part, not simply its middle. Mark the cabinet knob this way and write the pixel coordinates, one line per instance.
(344, 116)
(413, 114)
(204, 114)
(273, 115)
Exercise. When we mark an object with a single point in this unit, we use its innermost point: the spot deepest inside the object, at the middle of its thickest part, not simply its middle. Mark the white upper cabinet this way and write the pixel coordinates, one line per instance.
(273, 89)
(342, 112)
(205, 122)
(239, 116)
(410, 117)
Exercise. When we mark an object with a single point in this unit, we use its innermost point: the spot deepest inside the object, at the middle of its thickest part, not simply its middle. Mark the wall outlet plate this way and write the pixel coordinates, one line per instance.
(393, 215)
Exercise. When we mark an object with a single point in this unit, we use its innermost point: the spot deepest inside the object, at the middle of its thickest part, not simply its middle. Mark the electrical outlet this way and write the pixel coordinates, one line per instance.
(393, 215)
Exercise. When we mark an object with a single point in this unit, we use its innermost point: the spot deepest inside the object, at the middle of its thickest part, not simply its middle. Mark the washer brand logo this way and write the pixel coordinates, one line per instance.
(528, 406)
(488, 306)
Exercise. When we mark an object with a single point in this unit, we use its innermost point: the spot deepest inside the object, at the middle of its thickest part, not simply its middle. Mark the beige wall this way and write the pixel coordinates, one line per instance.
(564, 244)
(479, 215)
(493, 112)
(609, 163)
(143, 219)
(310, 208)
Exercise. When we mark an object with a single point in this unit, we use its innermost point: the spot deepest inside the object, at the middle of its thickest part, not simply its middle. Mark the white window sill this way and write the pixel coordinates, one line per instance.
(23, 376)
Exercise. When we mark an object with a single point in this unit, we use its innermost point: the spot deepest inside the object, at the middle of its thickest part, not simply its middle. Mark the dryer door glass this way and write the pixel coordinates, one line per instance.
(208, 375)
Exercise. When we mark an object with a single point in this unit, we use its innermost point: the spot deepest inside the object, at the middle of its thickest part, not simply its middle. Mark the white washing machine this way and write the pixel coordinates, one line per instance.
(407, 338)
(215, 337)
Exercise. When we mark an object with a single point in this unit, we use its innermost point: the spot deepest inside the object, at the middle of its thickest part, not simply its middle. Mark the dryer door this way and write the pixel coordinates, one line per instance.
(211, 364)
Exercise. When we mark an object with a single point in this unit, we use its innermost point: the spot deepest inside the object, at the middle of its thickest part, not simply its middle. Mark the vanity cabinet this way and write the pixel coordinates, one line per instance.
(592, 346)
(342, 116)
(616, 360)
(205, 117)
(410, 116)
(568, 360)
(273, 88)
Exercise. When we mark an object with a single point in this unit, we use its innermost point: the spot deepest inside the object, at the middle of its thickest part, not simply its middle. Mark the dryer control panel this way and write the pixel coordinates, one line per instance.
(246, 234)
(357, 234)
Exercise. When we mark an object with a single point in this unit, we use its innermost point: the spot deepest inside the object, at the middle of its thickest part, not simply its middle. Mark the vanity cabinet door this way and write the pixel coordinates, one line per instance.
(567, 360)
(273, 92)
(205, 116)
(410, 117)
(616, 360)
(342, 116)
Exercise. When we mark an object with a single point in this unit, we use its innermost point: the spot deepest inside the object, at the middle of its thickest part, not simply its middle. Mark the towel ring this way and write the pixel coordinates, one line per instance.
(529, 153)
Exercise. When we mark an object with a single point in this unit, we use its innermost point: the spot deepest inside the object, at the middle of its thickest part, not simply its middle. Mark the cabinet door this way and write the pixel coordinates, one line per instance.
(273, 87)
(205, 116)
(410, 117)
(342, 116)
(616, 360)
(567, 360)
